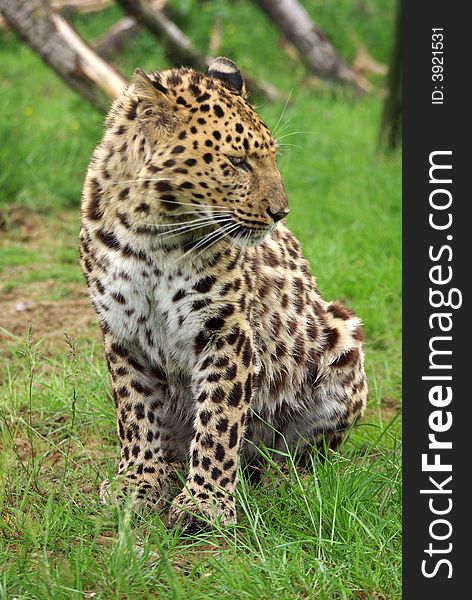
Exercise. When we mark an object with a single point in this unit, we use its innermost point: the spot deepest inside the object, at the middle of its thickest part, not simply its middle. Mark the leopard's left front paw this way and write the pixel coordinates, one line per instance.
(194, 513)
(145, 493)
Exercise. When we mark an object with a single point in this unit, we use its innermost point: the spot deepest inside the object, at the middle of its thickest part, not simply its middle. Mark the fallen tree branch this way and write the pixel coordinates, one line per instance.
(112, 41)
(81, 6)
(313, 46)
(167, 31)
(51, 37)
(180, 47)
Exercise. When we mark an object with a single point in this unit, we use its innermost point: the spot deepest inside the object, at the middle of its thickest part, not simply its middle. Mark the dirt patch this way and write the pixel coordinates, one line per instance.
(389, 407)
(25, 295)
(23, 449)
(48, 320)
(21, 220)
(35, 304)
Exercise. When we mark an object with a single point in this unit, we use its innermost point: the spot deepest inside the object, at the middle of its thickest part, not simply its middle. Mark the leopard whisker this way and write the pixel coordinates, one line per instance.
(213, 208)
(140, 180)
(225, 232)
(286, 125)
(203, 239)
(208, 236)
(294, 133)
(205, 218)
(282, 113)
(246, 241)
(182, 230)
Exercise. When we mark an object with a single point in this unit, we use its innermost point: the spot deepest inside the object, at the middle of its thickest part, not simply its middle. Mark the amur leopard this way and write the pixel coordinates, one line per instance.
(216, 336)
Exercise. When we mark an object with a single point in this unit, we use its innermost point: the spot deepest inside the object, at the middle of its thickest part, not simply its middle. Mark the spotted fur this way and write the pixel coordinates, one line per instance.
(216, 336)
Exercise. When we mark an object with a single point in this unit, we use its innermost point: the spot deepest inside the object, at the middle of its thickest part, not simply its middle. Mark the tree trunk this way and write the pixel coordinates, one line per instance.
(180, 47)
(390, 126)
(315, 49)
(60, 46)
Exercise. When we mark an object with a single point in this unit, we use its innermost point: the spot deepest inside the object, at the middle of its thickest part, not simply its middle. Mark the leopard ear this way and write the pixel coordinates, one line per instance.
(150, 92)
(224, 69)
(154, 104)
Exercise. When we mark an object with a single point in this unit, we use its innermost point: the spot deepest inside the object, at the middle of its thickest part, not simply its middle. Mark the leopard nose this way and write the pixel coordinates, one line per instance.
(277, 216)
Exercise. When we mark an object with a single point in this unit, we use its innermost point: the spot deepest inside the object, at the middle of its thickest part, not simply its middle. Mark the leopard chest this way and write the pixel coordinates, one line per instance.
(158, 307)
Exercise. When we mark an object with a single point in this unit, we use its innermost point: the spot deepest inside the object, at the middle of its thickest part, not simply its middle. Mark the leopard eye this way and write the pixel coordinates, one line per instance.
(240, 162)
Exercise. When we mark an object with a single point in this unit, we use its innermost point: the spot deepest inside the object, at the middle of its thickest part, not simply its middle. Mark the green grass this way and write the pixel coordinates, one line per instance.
(328, 531)
(325, 531)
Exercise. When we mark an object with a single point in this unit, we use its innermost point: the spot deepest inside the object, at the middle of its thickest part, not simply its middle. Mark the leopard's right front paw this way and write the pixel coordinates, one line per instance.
(193, 513)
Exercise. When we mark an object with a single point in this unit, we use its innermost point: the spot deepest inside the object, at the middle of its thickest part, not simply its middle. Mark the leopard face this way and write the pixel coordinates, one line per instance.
(194, 153)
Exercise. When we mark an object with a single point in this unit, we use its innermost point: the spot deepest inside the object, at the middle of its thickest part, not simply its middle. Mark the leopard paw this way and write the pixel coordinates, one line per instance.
(144, 494)
(200, 512)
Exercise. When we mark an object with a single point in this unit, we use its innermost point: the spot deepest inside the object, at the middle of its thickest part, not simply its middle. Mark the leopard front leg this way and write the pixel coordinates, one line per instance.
(139, 392)
(223, 389)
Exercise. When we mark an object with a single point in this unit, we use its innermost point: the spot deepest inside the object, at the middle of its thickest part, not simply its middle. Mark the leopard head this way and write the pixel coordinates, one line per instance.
(196, 154)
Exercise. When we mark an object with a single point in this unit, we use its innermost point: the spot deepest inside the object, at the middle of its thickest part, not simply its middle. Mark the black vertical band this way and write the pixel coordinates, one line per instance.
(436, 265)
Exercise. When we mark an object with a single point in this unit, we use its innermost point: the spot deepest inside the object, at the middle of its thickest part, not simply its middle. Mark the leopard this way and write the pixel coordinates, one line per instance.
(216, 337)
